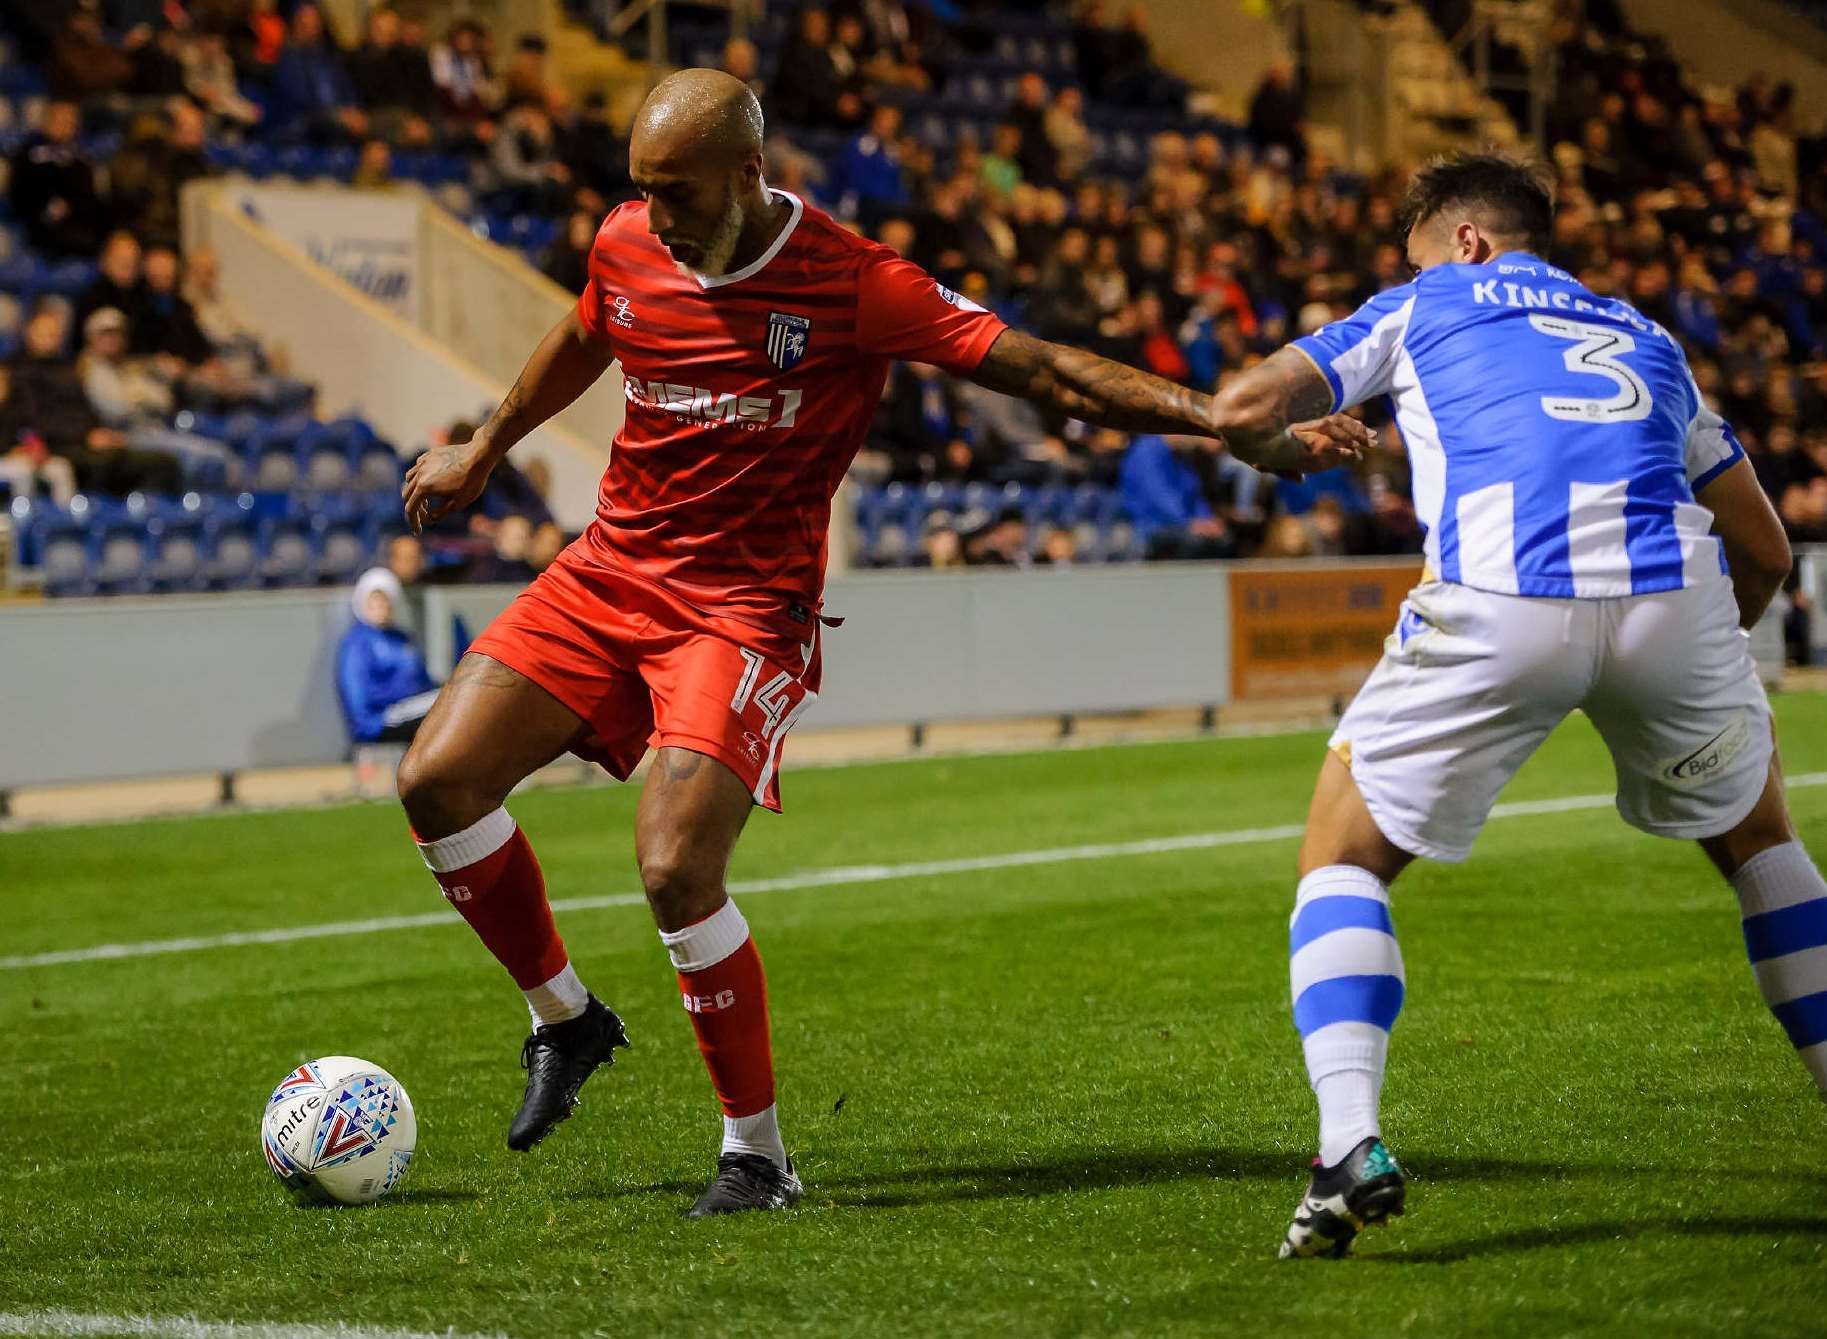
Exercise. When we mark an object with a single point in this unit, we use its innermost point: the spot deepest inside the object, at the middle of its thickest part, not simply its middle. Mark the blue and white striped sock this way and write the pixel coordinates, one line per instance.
(1345, 974)
(1784, 903)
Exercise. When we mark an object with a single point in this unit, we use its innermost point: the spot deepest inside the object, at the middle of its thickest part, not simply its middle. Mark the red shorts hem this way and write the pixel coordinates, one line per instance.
(593, 748)
(639, 668)
(717, 750)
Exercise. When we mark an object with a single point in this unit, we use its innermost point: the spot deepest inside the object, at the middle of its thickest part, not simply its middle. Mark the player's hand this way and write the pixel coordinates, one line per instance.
(1322, 444)
(444, 479)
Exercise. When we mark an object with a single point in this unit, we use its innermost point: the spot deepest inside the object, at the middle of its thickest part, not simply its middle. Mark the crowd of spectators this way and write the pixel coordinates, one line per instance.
(1702, 206)
(95, 381)
(89, 398)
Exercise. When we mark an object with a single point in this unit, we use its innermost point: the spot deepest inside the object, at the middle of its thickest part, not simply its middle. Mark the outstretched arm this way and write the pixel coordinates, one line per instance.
(562, 367)
(1098, 390)
(1257, 409)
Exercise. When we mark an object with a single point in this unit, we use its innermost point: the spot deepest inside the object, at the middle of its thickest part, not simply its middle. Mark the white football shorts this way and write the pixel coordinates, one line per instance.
(1471, 682)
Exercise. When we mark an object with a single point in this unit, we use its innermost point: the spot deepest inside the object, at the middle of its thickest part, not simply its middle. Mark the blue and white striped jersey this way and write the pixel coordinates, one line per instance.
(1556, 437)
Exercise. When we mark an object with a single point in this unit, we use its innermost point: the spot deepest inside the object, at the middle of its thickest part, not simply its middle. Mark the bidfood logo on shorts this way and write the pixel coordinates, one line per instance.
(1711, 758)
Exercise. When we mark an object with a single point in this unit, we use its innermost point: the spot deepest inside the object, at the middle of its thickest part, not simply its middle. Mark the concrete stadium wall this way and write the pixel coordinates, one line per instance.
(955, 646)
(487, 305)
(1220, 45)
(105, 689)
(364, 358)
(108, 689)
(114, 689)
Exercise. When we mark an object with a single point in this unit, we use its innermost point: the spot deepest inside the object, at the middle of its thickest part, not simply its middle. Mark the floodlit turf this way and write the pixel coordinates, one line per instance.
(1058, 1099)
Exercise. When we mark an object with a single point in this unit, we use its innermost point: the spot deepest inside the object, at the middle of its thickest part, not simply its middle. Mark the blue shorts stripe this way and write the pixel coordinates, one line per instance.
(1787, 930)
(1323, 915)
(1804, 1019)
(1349, 999)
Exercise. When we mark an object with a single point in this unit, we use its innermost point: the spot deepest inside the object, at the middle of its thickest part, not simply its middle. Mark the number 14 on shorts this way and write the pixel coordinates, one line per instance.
(774, 697)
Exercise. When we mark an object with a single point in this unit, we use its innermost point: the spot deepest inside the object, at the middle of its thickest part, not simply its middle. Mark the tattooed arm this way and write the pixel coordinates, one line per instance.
(562, 367)
(1098, 390)
(1257, 409)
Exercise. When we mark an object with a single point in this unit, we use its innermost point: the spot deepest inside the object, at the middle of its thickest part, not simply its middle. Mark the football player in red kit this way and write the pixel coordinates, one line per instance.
(754, 335)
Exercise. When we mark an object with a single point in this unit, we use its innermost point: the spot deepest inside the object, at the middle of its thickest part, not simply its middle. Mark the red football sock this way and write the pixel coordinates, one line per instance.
(490, 875)
(726, 995)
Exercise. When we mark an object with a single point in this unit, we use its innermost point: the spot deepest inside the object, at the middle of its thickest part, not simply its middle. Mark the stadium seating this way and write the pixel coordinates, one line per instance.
(892, 518)
(321, 501)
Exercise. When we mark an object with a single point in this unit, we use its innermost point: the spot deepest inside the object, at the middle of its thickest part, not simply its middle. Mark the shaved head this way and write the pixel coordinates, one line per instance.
(699, 113)
(695, 157)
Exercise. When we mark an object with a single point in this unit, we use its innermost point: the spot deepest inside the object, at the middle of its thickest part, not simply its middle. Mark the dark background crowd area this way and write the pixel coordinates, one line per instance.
(1038, 161)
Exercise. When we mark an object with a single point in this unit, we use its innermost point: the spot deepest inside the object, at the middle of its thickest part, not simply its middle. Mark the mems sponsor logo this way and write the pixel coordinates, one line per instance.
(695, 404)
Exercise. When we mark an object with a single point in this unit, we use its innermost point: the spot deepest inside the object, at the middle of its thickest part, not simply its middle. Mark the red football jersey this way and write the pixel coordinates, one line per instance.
(748, 396)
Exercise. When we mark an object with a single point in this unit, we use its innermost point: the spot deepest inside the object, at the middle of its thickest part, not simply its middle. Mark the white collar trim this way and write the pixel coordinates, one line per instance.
(755, 266)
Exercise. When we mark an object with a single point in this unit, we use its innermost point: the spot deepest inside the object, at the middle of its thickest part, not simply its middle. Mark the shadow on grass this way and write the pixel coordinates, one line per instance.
(1015, 1180)
(965, 1182)
(407, 1198)
(1545, 1238)
(935, 1184)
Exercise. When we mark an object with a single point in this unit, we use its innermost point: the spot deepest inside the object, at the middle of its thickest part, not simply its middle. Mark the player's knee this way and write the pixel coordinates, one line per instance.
(1368, 851)
(1764, 829)
(415, 779)
(679, 889)
(436, 795)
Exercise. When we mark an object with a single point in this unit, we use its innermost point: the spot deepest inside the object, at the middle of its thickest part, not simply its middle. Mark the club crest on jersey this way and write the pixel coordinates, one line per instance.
(787, 336)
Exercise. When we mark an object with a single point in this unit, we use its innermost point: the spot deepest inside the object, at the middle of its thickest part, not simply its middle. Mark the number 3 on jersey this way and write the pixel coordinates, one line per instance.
(1596, 352)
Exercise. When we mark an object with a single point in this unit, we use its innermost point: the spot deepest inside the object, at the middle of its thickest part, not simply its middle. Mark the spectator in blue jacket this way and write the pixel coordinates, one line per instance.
(1167, 506)
(380, 675)
(870, 168)
(313, 95)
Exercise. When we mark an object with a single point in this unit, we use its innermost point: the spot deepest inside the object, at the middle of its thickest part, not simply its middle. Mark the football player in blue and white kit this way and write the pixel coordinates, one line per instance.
(1596, 539)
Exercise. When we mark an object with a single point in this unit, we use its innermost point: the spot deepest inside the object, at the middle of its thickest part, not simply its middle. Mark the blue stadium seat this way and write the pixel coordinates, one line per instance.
(379, 469)
(62, 545)
(231, 544)
(381, 521)
(889, 518)
(180, 552)
(288, 553)
(19, 274)
(258, 161)
(323, 464)
(122, 555)
(21, 80)
(342, 548)
(942, 497)
(68, 278)
(275, 469)
(24, 512)
(1054, 504)
(297, 160)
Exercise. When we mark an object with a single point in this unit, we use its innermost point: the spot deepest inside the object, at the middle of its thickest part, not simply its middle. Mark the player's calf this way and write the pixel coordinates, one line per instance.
(1783, 900)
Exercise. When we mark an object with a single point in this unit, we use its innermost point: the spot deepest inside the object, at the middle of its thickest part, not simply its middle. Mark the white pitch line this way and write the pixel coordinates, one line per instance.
(61, 1323)
(818, 878)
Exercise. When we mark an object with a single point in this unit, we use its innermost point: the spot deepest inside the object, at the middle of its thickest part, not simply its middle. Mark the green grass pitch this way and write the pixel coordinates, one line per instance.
(1056, 1099)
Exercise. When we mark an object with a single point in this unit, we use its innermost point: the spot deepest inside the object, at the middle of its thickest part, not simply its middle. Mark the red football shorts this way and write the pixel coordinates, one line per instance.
(642, 667)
